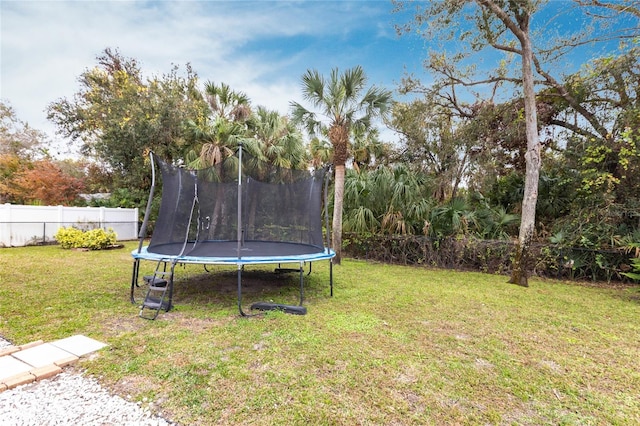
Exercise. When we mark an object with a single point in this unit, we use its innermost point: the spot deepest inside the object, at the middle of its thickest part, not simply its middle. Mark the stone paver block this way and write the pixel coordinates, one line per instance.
(79, 345)
(66, 361)
(9, 350)
(31, 345)
(10, 366)
(37, 360)
(41, 355)
(19, 379)
(46, 371)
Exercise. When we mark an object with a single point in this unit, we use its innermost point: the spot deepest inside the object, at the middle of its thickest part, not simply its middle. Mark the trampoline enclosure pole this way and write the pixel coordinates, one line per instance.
(147, 212)
(327, 176)
(239, 219)
(239, 230)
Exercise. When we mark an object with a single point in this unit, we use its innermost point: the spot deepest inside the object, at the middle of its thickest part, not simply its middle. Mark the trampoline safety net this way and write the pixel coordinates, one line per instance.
(280, 210)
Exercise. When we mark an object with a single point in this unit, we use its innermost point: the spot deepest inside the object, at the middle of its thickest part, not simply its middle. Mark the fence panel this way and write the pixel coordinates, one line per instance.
(25, 225)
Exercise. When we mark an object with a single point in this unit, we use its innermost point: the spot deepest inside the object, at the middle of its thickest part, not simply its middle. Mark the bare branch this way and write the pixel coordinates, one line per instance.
(632, 7)
(575, 104)
(506, 48)
(572, 127)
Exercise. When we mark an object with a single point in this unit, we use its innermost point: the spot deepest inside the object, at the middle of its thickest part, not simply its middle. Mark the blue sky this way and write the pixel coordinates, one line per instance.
(261, 48)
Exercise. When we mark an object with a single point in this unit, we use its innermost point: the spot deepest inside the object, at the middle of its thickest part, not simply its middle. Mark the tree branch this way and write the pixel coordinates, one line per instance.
(615, 6)
(575, 104)
(572, 127)
(506, 48)
(504, 17)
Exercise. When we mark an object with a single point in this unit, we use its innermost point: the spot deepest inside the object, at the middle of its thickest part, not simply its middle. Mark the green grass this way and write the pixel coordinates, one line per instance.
(395, 345)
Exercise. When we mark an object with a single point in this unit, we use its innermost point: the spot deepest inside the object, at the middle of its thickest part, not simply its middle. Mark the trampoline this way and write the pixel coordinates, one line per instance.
(242, 211)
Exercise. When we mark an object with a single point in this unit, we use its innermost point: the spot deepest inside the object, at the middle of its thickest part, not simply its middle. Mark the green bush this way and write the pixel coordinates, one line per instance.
(94, 239)
(635, 265)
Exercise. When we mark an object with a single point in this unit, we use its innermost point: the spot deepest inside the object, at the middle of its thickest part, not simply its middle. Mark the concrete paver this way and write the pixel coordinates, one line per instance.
(10, 366)
(38, 360)
(79, 345)
(41, 355)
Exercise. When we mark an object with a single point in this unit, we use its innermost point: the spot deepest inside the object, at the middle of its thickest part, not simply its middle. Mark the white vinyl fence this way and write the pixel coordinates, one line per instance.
(26, 225)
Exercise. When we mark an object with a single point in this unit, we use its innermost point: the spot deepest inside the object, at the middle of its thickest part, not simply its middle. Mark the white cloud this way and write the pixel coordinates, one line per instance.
(261, 48)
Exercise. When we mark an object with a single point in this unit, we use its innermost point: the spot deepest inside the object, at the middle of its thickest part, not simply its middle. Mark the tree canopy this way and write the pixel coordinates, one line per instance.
(118, 115)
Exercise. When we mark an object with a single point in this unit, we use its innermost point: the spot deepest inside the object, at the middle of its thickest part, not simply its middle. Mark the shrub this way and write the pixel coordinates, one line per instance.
(635, 265)
(94, 239)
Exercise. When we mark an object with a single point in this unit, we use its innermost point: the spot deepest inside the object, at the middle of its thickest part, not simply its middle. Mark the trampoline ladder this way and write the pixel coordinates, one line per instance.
(158, 295)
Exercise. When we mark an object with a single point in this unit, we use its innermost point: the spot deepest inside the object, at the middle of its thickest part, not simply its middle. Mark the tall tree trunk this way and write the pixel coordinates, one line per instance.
(338, 201)
(519, 274)
(339, 137)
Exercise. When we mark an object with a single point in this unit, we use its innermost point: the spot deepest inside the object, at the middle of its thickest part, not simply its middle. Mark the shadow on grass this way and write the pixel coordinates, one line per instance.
(219, 286)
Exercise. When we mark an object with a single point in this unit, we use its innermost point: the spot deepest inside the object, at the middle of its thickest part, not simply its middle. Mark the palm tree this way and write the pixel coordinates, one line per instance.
(404, 194)
(367, 149)
(223, 130)
(496, 223)
(343, 104)
(321, 152)
(219, 140)
(278, 139)
(361, 210)
(226, 102)
(452, 218)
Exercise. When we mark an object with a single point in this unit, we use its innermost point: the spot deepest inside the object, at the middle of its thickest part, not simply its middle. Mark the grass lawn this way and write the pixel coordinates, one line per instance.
(395, 345)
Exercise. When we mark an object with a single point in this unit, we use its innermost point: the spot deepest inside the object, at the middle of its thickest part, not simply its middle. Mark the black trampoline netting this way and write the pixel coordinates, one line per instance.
(280, 210)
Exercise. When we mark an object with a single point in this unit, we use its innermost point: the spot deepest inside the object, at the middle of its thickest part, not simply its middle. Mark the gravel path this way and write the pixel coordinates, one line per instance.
(70, 399)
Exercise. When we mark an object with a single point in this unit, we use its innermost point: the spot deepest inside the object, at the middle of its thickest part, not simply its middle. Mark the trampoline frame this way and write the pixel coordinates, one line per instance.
(301, 258)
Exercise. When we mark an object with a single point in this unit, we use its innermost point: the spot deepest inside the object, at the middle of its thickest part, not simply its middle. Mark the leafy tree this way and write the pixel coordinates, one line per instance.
(20, 145)
(342, 103)
(118, 116)
(44, 182)
(98, 178)
(606, 148)
(16, 137)
(506, 27)
(431, 143)
(10, 167)
(602, 155)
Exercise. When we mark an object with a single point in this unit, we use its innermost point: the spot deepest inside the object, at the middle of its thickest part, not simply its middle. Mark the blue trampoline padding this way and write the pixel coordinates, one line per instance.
(225, 253)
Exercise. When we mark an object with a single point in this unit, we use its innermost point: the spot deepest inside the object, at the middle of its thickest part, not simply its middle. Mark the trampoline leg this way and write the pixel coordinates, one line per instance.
(240, 291)
(331, 276)
(134, 279)
(301, 283)
(170, 304)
